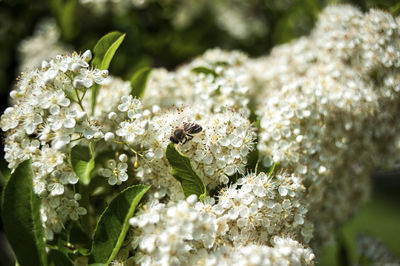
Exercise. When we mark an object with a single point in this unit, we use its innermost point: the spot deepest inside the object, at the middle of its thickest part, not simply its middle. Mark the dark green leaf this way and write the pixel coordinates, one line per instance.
(343, 254)
(253, 116)
(139, 81)
(395, 9)
(114, 223)
(252, 160)
(182, 170)
(82, 161)
(21, 217)
(104, 51)
(204, 70)
(57, 258)
(5, 174)
(80, 237)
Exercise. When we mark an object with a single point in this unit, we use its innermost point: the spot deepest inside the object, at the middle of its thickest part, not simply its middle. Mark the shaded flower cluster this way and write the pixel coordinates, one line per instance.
(216, 81)
(235, 17)
(328, 106)
(372, 250)
(43, 45)
(42, 125)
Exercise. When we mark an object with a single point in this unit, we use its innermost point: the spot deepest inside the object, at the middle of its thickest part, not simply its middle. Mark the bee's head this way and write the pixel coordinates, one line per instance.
(173, 140)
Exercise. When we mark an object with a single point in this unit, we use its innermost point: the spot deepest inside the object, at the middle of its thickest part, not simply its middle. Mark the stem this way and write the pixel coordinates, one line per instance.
(77, 139)
(127, 145)
(79, 99)
(76, 92)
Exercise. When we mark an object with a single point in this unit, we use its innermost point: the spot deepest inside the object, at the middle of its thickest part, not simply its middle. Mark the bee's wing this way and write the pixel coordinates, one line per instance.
(187, 126)
(194, 128)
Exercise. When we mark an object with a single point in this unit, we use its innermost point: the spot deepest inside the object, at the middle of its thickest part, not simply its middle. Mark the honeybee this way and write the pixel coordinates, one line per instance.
(183, 135)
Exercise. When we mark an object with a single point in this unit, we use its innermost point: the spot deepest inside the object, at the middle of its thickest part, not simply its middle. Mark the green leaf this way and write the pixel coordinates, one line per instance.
(204, 70)
(64, 11)
(114, 223)
(272, 169)
(67, 18)
(5, 172)
(395, 9)
(343, 254)
(182, 170)
(104, 51)
(139, 81)
(82, 161)
(57, 258)
(21, 217)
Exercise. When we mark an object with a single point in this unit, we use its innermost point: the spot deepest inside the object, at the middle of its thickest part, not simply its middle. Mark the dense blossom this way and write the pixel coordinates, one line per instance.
(218, 80)
(43, 123)
(324, 106)
(258, 207)
(183, 233)
(284, 251)
(325, 114)
(220, 150)
(172, 233)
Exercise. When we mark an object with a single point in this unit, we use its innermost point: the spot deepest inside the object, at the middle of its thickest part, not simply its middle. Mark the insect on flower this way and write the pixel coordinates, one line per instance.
(183, 135)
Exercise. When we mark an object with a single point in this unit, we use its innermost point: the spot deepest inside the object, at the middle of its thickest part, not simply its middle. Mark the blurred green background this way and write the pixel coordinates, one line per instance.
(166, 33)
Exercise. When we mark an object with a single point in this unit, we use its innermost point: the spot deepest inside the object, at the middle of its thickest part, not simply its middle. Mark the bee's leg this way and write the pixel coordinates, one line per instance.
(189, 136)
(186, 140)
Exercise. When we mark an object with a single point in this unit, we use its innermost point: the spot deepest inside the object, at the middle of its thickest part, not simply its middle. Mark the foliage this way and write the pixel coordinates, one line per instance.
(182, 170)
(21, 217)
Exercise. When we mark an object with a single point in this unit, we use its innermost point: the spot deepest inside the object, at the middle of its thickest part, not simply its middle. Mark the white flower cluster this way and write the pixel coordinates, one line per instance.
(42, 125)
(327, 109)
(43, 45)
(368, 41)
(237, 18)
(185, 233)
(371, 250)
(108, 98)
(284, 251)
(216, 81)
(220, 150)
(258, 207)
(171, 233)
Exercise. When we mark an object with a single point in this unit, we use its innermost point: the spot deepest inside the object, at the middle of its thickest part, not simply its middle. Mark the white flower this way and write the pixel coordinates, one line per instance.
(115, 172)
(88, 77)
(10, 119)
